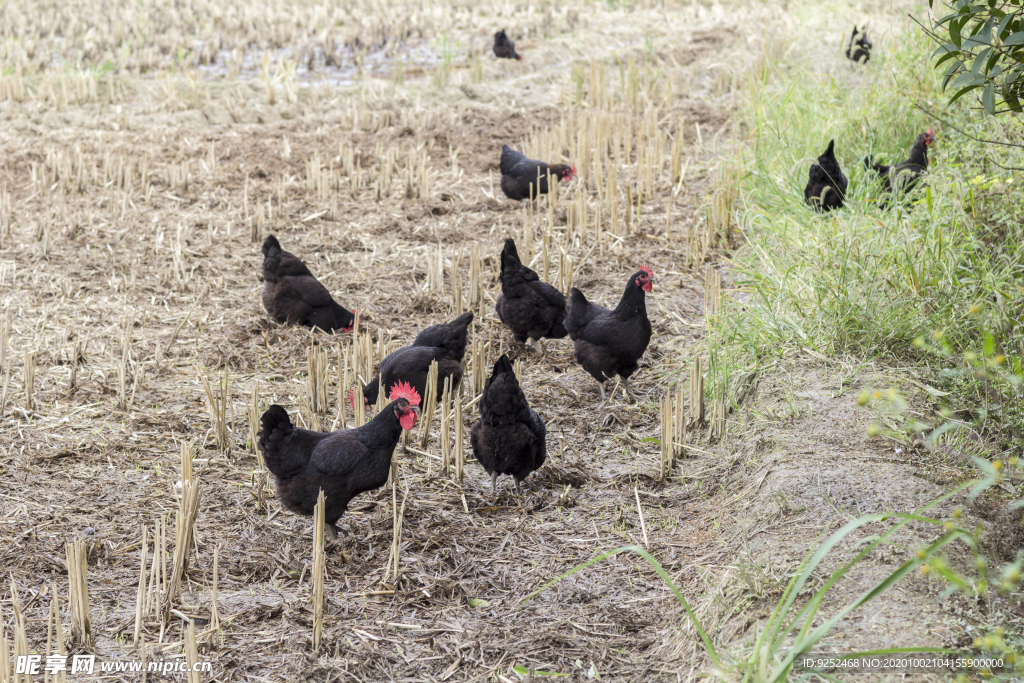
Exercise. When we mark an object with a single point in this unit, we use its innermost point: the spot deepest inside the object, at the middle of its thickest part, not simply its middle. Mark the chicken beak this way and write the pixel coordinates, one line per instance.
(416, 410)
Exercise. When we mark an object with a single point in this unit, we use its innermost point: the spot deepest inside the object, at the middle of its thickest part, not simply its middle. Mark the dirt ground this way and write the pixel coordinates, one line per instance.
(133, 220)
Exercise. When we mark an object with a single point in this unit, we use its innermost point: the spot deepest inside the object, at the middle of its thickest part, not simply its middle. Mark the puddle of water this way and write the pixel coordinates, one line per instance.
(343, 71)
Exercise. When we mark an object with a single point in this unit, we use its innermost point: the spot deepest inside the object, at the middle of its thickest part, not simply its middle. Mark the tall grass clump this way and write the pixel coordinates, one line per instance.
(940, 269)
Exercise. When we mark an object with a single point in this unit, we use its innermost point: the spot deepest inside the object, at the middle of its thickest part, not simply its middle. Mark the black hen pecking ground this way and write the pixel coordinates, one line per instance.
(509, 437)
(524, 178)
(445, 343)
(293, 296)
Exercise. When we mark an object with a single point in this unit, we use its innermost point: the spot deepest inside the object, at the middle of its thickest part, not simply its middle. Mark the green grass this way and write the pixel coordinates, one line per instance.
(932, 281)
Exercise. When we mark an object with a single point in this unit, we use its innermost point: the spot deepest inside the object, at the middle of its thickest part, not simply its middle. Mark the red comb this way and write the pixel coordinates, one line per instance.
(647, 269)
(930, 132)
(403, 390)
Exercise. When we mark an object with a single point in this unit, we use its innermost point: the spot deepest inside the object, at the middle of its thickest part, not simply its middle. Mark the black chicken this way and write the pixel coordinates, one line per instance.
(609, 343)
(904, 176)
(862, 52)
(343, 464)
(520, 176)
(509, 436)
(291, 295)
(445, 343)
(505, 47)
(530, 308)
(826, 186)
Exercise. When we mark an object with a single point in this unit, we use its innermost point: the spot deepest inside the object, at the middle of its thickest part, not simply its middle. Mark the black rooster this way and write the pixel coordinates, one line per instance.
(291, 295)
(343, 464)
(904, 176)
(505, 47)
(445, 343)
(530, 308)
(520, 176)
(609, 343)
(826, 186)
(509, 436)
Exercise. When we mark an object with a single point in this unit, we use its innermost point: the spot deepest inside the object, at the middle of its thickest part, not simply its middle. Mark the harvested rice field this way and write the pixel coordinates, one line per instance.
(146, 151)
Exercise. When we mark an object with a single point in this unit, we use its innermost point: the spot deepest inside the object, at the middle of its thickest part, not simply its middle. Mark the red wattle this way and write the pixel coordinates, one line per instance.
(408, 421)
(647, 286)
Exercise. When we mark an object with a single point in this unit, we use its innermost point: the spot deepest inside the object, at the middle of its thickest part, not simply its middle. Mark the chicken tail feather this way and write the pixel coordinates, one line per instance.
(276, 428)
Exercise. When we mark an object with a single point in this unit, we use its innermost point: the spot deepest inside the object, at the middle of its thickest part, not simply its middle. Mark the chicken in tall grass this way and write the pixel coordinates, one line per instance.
(859, 49)
(826, 186)
(903, 177)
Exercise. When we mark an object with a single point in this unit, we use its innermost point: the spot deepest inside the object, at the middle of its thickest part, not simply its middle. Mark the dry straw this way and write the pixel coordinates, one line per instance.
(124, 400)
(460, 456)
(78, 588)
(218, 403)
(673, 431)
(214, 613)
(6, 656)
(712, 292)
(399, 516)
(140, 599)
(54, 633)
(478, 364)
(319, 571)
(719, 412)
(667, 432)
(184, 527)
(446, 423)
(73, 378)
(156, 586)
(428, 404)
(192, 652)
(30, 379)
(315, 397)
(640, 513)
(253, 415)
(697, 418)
(341, 419)
(20, 637)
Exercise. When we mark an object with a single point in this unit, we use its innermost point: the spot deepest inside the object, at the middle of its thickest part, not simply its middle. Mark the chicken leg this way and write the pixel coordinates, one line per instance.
(494, 482)
(331, 532)
(629, 392)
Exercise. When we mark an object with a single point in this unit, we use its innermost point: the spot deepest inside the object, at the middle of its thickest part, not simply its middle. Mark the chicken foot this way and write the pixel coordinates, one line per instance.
(629, 392)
